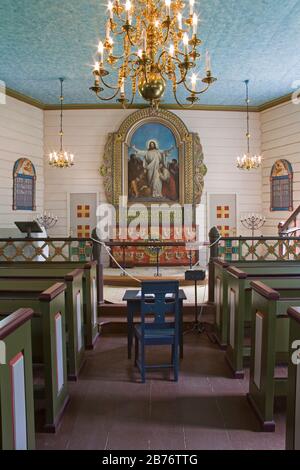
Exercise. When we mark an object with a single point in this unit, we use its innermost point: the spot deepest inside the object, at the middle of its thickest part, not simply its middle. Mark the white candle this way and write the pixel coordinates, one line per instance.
(208, 62)
(195, 24)
(72, 158)
(140, 53)
(193, 80)
(192, 2)
(144, 39)
(171, 50)
(110, 9)
(122, 89)
(179, 19)
(128, 8)
(96, 67)
(101, 51)
(107, 30)
(168, 7)
(185, 41)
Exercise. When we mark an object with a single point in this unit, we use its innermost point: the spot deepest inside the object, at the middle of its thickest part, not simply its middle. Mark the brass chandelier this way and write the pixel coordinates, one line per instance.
(248, 161)
(159, 44)
(62, 158)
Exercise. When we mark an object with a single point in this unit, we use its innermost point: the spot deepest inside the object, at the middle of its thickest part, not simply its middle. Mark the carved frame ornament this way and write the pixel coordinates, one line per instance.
(192, 168)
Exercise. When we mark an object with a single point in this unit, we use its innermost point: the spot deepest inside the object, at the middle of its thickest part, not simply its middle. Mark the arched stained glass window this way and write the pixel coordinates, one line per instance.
(24, 185)
(282, 186)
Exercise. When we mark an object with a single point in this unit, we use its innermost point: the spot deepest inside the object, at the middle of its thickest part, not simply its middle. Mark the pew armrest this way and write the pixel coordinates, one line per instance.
(90, 264)
(238, 273)
(52, 292)
(265, 290)
(14, 321)
(294, 312)
(72, 275)
(220, 262)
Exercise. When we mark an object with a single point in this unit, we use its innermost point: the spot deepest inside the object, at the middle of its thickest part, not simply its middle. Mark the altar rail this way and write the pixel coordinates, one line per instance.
(46, 249)
(232, 249)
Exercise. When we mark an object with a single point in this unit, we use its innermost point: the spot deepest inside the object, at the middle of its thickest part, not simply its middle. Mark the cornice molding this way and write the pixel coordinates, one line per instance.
(24, 98)
(53, 107)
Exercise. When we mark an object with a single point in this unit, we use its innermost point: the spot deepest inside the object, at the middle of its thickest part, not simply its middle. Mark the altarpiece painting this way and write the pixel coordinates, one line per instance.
(153, 159)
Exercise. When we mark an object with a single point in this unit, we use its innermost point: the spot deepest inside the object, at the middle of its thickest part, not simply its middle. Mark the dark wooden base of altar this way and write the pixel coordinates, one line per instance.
(117, 280)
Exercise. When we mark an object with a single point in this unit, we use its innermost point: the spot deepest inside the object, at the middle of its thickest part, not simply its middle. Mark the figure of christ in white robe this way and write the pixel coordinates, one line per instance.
(152, 159)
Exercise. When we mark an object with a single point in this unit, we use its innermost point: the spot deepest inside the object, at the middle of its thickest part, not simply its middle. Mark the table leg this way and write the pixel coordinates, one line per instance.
(181, 329)
(132, 308)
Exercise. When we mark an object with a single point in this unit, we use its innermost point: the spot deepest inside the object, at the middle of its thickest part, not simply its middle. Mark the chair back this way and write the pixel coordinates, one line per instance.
(159, 299)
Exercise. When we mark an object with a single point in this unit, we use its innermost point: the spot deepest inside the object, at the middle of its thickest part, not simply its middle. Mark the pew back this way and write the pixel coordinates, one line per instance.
(16, 384)
(60, 270)
(293, 401)
(220, 280)
(48, 343)
(270, 343)
(19, 287)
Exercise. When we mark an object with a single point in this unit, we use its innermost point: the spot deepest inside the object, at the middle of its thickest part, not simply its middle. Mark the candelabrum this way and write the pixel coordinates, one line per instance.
(47, 220)
(253, 222)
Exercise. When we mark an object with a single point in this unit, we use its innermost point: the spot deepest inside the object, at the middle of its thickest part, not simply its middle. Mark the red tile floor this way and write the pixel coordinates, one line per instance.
(206, 409)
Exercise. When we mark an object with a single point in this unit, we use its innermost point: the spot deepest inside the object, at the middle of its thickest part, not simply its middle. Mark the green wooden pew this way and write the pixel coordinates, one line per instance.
(270, 344)
(239, 300)
(293, 400)
(48, 344)
(73, 311)
(61, 269)
(221, 289)
(16, 384)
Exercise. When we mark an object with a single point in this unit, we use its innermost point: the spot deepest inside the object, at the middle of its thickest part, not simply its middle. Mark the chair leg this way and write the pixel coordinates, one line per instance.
(143, 362)
(175, 361)
(172, 354)
(136, 351)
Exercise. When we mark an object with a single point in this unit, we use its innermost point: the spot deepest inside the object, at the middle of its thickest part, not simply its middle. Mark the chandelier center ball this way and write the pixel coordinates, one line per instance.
(153, 89)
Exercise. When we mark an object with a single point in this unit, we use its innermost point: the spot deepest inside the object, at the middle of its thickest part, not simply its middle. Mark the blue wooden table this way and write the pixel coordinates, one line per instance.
(133, 308)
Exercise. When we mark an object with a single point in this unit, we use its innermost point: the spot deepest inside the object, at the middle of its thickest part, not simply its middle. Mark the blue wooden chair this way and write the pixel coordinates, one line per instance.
(158, 299)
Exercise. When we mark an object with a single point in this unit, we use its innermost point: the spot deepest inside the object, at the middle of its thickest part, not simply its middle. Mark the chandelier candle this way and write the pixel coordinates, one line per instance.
(166, 33)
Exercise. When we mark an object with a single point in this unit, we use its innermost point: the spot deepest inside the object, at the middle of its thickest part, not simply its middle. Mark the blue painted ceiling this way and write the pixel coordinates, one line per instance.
(42, 40)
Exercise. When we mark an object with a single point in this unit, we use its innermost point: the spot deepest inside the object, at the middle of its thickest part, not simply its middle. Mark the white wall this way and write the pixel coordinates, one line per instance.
(280, 140)
(21, 135)
(222, 135)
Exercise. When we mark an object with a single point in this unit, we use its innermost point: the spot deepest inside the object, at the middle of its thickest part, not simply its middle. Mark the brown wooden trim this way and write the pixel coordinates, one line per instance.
(90, 264)
(72, 275)
(24, 98)
(220, 262)
(101, 105)
(275, 102)
(294, 312)
(238, 273)
(292, 217)
(52, 292)
(265, 290)
(14, 321)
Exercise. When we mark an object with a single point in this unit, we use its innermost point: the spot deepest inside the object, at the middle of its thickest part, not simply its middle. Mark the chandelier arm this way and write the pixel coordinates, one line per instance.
(182, 79)
(196, 92)
(108, 86)
(107, 99)
(180, 104)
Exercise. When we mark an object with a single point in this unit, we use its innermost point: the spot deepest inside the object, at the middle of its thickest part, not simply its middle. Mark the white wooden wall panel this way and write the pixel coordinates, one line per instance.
(280, 128)
(21, 135)
(222, 135)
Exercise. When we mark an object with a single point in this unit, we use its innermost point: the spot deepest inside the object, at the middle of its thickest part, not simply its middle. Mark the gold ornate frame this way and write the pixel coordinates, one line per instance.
(192, 168)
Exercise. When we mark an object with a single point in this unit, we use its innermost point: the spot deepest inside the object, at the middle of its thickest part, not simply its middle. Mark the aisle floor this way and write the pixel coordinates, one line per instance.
(206, 409)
